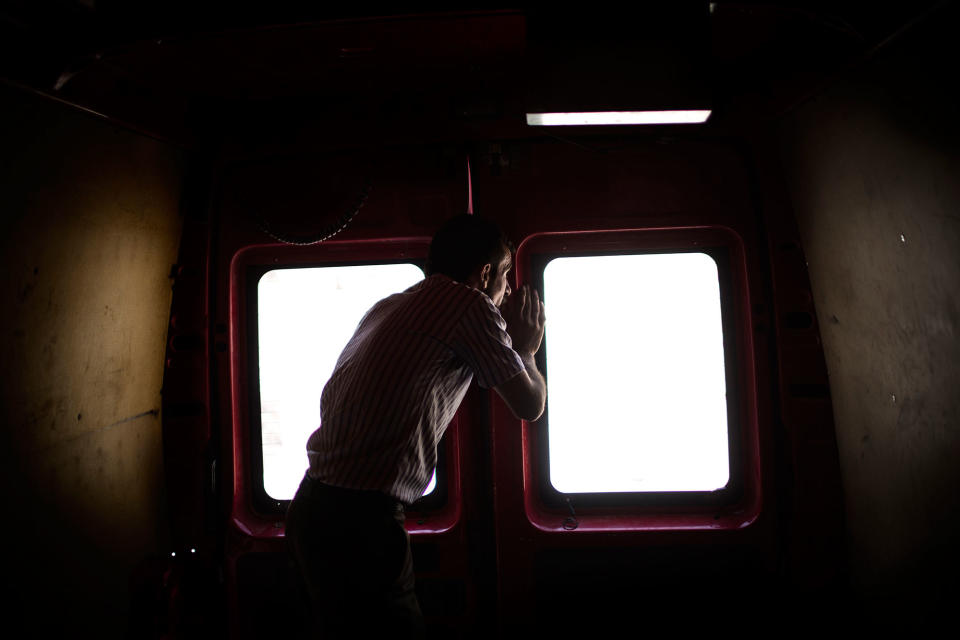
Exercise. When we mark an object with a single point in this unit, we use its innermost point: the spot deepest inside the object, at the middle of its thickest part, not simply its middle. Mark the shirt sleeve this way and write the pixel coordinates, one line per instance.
(481, 339)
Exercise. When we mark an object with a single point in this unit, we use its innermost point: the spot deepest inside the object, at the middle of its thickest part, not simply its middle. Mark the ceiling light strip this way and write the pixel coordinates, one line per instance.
(616, 117)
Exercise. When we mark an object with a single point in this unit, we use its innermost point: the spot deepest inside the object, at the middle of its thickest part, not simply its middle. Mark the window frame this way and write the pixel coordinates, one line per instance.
(733, 506)
(253, 507)
(263, 501)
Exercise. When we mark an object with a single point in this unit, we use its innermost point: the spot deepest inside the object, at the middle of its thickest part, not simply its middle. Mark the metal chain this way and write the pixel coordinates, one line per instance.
(327, 232)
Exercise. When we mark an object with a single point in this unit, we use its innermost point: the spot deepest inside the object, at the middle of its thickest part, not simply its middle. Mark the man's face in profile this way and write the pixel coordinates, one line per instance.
(498, 287)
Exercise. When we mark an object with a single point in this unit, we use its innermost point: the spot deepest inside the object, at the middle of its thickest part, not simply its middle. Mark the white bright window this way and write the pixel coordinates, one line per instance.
(305, 318)
(635, 368)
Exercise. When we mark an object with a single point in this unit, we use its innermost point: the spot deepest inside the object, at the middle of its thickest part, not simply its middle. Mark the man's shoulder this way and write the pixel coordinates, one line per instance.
(466, 305)
(443, 286)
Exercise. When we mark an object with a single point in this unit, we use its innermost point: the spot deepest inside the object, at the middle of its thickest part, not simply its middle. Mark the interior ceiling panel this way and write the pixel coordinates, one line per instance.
(314, 59)
(163, 64)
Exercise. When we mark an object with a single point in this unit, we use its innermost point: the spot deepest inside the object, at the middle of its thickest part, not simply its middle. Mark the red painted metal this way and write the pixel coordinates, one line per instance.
(593, 519)
(527, 527)
(636, 195)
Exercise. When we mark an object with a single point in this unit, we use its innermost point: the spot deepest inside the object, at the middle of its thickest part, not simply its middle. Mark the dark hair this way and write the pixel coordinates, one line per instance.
(464, 243)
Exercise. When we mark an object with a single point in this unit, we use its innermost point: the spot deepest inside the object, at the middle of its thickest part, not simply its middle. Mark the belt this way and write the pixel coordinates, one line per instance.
(349, 498)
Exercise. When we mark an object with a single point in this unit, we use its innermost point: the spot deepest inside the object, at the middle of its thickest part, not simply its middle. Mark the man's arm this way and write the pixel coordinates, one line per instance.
(526, 392)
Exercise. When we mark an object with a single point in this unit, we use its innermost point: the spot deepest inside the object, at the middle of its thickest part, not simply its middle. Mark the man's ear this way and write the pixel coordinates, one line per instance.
(485, 274)
(480, 277)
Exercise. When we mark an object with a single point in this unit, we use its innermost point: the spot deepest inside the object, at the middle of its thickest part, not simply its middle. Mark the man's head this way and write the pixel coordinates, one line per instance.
(474, 251)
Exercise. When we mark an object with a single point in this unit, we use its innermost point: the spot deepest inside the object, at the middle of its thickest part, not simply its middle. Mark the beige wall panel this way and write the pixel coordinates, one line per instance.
(873, 166)
(90, 228)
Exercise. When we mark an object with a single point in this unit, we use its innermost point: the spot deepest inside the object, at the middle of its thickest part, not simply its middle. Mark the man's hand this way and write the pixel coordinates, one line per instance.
(526, 392)
(525, 318)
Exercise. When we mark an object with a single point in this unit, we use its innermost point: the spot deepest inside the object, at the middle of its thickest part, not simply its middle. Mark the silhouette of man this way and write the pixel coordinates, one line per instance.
(394, 390)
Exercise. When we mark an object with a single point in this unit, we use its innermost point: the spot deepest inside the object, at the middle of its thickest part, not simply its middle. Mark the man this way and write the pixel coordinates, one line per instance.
(394, 390)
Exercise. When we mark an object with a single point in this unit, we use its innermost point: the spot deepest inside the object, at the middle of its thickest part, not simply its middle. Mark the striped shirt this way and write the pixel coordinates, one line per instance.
(399, 382)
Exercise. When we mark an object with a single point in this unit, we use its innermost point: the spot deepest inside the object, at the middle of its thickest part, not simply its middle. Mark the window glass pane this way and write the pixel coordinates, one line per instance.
(306, 316)
(635, 368)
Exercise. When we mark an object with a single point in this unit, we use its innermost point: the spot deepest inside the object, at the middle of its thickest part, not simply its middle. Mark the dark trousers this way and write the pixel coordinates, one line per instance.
(353, 555)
